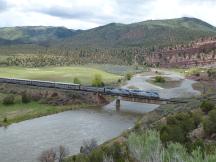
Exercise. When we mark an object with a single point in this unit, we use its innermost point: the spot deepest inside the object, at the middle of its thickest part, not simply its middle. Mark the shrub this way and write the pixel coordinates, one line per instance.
(88, 146)
(77, 81)
(8, 100)
(108, 159)
(97, 81)
(207, 106)
(36, 96)
(198, 144)
(175, 152)
(183, 120)
(145, 147)
(210, 123)
(47, 156)
(96, 156)
(164, 134)
(116, 152)
(197, 117)
(210, 148)
(173, 133)
(54, 94)
(177, 128)
(128, 76)
(25, 98)
(212, 73)
(119, 81)
(54, 154)
(5, 120)
(159, 79)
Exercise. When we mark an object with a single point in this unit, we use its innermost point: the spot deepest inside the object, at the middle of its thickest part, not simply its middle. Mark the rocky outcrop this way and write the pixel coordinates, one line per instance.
(197, 134)
(201, 52)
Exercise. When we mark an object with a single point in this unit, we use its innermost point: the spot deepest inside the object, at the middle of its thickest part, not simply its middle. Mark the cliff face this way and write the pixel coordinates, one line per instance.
(201, 52)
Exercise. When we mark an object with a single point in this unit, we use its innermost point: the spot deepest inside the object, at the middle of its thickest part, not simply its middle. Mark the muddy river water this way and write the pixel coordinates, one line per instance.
(24, 141)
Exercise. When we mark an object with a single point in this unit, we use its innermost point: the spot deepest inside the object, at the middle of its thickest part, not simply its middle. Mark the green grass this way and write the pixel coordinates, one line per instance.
(159, 79)
(20, 111)
(60, 74)
(190, 71)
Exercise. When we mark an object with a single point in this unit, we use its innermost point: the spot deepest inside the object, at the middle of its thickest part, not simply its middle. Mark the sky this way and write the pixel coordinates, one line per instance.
(86, 14)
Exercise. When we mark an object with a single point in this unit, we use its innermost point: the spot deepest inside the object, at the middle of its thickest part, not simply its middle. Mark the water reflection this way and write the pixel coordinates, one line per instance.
(130, 107)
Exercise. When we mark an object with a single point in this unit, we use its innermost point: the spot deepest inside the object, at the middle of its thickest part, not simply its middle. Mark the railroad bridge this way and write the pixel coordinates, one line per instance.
(100, 92)
(101, 99)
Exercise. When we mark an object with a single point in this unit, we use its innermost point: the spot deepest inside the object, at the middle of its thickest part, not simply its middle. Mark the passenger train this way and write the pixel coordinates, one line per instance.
(70, 86)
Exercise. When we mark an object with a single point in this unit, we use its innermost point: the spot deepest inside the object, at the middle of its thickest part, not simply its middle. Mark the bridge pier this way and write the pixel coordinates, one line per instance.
(117, 104)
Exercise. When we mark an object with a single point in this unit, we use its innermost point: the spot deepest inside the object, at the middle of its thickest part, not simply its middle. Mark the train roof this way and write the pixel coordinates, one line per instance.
(22, 79)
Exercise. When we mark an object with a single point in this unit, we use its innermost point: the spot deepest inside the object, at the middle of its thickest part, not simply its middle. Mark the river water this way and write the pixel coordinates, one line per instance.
(185, 88)
(24, 141)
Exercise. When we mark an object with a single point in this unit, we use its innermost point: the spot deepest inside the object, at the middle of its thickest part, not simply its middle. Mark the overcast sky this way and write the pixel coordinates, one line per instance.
(85, 14)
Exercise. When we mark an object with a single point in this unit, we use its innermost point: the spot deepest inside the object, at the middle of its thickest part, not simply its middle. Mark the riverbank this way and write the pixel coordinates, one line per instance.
(41, 102)
(21, 112)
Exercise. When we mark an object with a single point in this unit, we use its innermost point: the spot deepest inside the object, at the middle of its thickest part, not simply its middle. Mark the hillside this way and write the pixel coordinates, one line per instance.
(144, 34)
(33, 34)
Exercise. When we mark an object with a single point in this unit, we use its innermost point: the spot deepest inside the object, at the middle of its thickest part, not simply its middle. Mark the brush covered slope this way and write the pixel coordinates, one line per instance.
(157, 32)
(147, 33)
(33, 34)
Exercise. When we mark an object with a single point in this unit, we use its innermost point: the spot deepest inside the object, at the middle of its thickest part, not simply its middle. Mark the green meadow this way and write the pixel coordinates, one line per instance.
(59, 74)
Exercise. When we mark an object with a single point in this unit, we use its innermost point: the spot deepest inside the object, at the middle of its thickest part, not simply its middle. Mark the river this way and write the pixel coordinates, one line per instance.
(24, 141)
(185, 88)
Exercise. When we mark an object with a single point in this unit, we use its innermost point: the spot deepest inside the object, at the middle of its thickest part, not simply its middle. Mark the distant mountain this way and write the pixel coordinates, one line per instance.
(34, 34)
(143, 34)
(146, 34)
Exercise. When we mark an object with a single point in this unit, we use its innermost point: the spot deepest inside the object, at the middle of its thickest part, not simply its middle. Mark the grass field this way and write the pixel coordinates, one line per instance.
(192, 71)
(60, 74)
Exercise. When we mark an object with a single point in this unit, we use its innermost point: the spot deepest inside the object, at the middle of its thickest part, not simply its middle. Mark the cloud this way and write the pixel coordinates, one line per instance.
(101, 11)
(128, 6)
(65, 12)
(86, 14)
(76, 14)
(3, 5)
(197, 1)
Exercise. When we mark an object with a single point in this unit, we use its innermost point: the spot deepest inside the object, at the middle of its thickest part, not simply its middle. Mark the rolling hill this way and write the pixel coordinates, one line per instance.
(34, 34)
(143, 34)
(147, 33)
